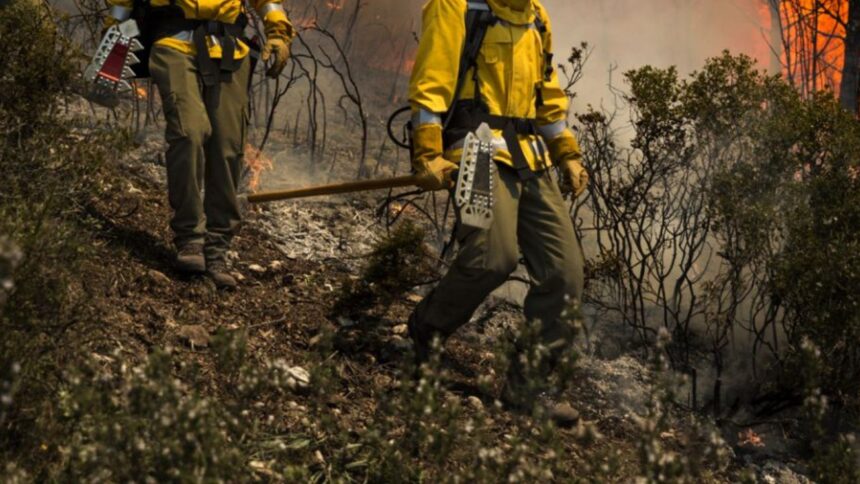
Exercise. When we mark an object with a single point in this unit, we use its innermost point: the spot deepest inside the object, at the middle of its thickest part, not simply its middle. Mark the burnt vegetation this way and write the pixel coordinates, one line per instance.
(721, 231)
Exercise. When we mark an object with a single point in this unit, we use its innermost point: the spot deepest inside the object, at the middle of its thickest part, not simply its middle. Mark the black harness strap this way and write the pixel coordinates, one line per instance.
(215, 72)
(478, 21)
(465, 116)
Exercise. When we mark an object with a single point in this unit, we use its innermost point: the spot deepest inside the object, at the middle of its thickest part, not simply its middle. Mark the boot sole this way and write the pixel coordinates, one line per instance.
(191, 269)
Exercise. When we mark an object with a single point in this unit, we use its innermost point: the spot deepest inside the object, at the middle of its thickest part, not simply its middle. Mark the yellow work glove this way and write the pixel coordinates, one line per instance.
(566, 154)
(427, 161)
(278, 50)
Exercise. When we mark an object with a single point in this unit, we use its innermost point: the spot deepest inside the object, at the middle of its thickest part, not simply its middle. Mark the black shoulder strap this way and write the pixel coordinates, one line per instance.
(479, 18)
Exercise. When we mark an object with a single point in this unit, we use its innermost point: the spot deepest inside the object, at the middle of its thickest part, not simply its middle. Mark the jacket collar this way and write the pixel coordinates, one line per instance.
(506, 12)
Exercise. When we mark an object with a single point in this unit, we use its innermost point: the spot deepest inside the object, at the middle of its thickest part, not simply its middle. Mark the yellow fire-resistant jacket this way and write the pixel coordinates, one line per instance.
(511, 66)
(271, 11)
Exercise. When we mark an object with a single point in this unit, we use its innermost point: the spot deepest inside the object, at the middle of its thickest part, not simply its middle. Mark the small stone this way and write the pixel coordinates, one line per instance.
(383, 380)
(232, 255)
(318, 457)
(300, 375)
(238, 276)
(276, 265)
(414, 298)
(256, 268)
(158, 278)
(400, 329)
(475, 403)
(400, 343)
(194, 335)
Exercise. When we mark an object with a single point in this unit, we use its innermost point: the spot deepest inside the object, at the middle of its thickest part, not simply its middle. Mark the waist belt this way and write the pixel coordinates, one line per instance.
(469, 115)
(213, 72)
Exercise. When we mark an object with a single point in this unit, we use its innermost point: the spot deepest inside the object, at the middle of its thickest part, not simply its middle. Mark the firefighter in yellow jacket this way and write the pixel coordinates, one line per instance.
(508, 83)
(202, 69)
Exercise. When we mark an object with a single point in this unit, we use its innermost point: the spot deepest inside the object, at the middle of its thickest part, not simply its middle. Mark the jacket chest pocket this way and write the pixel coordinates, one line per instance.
(495, 61)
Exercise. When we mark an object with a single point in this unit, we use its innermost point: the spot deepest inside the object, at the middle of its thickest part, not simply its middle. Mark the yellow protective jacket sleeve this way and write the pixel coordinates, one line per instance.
(552, 114)
(271, 11)
(511, 69)
(437, 64)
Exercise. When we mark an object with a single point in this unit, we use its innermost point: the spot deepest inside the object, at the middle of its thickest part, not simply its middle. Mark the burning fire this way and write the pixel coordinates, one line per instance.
(141, 93)
(257, 163)
(748, 438)
(813, 50)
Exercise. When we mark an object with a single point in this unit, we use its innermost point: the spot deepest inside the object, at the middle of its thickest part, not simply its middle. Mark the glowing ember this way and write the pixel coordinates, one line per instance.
(141, 93)
(748, 438)
(257, 163)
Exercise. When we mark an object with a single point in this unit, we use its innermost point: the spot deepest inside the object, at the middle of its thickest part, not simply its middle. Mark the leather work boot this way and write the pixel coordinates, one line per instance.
(189, 258)
(220, 275)
(561, 413)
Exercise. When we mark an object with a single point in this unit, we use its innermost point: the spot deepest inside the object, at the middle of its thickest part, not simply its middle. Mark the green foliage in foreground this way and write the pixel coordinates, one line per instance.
(52, 165)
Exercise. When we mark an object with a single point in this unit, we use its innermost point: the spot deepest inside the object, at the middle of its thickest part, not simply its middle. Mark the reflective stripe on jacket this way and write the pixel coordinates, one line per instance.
(511, 70)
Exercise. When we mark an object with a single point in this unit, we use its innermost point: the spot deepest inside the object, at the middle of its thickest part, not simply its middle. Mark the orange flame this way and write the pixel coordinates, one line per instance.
(141, 93)
(257, 163)
(814, 30)
(748, 438)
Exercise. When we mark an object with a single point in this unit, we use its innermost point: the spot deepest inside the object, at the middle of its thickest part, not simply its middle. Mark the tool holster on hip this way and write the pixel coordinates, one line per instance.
(468, 115)
(171, 22)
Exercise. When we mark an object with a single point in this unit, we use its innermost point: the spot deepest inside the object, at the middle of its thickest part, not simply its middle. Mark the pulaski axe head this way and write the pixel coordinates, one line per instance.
(109, 72)
(473, 194)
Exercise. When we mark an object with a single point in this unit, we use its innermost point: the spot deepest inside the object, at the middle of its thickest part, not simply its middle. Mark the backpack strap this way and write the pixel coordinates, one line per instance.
(479, 18)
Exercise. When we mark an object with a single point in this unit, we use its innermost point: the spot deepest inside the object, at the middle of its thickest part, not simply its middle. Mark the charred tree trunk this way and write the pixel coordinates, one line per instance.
(850, 87)
(776, 38)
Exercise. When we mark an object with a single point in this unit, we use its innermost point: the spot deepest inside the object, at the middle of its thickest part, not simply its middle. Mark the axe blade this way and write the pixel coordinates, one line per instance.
(475, 180)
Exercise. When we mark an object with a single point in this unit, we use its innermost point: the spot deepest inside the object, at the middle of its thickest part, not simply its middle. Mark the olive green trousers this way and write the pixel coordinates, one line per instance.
(531, 217)
(205, 154)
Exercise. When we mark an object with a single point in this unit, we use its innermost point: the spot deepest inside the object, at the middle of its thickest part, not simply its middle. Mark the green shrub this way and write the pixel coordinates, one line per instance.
(397, 264)
(142, 423)
(53, 165)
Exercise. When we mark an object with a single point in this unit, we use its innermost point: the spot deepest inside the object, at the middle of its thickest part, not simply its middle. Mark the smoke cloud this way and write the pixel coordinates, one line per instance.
(626, 34)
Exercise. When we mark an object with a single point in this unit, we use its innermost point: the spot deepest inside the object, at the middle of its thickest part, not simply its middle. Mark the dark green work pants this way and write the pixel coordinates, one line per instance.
(205, 150)
(529, 216)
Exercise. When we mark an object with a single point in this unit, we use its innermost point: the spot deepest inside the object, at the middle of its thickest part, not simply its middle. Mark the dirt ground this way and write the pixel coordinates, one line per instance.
(291, 260)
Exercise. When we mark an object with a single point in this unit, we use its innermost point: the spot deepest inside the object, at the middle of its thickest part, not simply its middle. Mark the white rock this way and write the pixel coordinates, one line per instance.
(300, 375)
(475, 403)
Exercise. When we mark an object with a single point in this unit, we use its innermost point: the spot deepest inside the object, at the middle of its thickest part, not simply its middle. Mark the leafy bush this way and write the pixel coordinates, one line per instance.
(733, 211)
(398, 263)
(53, 165)
(143, 423)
